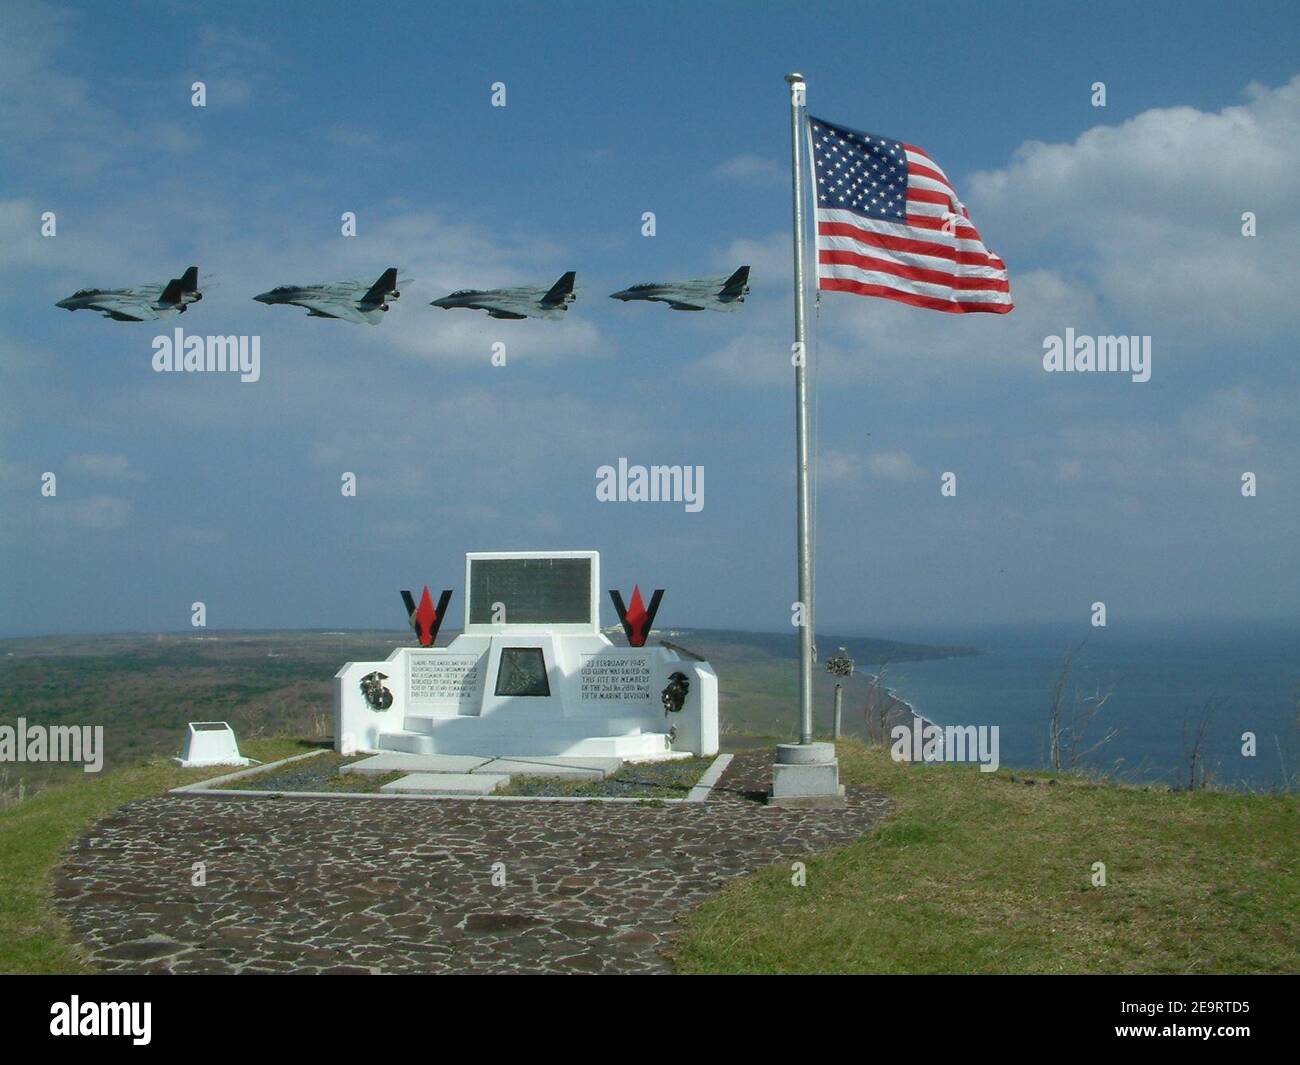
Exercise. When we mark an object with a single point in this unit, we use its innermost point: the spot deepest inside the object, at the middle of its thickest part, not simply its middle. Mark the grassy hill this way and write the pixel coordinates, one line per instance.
(993, 873)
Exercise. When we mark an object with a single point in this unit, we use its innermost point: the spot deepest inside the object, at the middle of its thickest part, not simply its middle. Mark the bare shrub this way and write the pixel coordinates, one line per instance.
(1197, 777)
(877, 707)
(1072, 719)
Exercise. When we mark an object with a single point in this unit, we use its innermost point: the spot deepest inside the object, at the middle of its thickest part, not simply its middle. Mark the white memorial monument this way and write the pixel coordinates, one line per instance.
(531, 674)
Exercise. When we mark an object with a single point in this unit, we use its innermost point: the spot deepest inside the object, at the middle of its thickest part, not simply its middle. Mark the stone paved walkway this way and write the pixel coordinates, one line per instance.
(327, 885)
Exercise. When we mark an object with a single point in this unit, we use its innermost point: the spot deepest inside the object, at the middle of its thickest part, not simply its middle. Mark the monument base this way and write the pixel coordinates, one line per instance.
(806, 776)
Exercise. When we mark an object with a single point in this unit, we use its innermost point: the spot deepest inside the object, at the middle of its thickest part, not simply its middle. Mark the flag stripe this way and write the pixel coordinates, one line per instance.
(982, 289)
(834, 284)
(915, 256)
(890, 224)
(961, 252)
(971, 283)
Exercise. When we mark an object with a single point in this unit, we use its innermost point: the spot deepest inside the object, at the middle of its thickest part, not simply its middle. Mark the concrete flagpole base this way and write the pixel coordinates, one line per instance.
(806, 776)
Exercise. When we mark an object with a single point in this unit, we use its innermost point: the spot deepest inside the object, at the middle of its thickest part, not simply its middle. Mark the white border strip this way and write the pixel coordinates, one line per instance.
(209, 785)
(711, 776)
(698, 793)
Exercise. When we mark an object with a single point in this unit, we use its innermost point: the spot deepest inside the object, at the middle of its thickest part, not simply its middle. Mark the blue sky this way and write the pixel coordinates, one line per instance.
(1124, 219)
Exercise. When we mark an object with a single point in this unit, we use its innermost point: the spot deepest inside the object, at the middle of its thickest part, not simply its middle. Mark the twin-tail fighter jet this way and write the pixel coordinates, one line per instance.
(705, 293)
(526, 301)
(352, 301)
(140, 303)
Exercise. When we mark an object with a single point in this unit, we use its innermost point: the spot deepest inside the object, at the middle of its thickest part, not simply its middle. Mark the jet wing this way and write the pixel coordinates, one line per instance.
(123, 308)
(511, 304)
(326, 308)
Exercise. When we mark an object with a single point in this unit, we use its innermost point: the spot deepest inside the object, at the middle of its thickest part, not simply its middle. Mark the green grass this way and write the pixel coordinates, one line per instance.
(315, 774)
(34, 833)
(977, 873)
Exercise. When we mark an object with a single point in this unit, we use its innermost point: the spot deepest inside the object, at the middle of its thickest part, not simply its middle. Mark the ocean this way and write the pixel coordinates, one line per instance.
(1248, 676)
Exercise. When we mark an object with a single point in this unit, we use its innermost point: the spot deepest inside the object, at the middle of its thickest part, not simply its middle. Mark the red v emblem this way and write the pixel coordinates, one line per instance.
(426, 619)
(636, 618)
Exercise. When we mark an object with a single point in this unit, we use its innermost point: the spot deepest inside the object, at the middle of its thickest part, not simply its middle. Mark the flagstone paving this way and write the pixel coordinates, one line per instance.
(338, 886)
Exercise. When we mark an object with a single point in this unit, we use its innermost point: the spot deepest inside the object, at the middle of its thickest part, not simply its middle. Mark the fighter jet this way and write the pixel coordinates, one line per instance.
(353, 301)
(526, 301)
(706, 293)
(141, 303)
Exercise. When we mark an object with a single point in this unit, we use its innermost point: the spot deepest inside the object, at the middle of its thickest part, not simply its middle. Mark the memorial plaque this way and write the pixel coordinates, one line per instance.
(622, 676)
(440, 677)
(522, 672)
(531, 591)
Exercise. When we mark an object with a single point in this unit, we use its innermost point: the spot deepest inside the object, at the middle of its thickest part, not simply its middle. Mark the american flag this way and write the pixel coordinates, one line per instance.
(889, 224)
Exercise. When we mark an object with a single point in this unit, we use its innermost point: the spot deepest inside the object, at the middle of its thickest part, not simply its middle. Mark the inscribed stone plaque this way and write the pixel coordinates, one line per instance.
(530, 591)
(439, 677)
(621, 676)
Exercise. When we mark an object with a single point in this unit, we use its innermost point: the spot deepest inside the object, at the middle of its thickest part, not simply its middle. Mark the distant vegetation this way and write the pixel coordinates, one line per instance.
(144, 688)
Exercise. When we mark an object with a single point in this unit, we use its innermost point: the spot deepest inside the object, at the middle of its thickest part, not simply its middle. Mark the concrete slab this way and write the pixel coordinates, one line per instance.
(447, 784)
(558, 766)
(399, 762)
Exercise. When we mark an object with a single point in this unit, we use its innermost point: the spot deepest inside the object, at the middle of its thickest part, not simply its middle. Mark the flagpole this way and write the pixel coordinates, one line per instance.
(805, 774)
(803, 499)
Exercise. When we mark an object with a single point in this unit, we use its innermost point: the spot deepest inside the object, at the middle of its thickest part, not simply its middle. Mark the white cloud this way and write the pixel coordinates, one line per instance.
(435, 447)
(893, 465)
(1151, 212)
(835, 467)
(1225, 421)
(232, 64)
(38, 99)
(107, 467)
(101, 513)
(748, 167)
(1208, 443)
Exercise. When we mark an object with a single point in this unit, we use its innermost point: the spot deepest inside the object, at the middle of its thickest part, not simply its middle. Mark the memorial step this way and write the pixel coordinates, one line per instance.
(446, 784)
(642, 746)
(539, 766)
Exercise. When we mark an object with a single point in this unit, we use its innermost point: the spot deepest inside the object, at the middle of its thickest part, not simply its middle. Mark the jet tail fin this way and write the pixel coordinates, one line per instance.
(190, 280)
(561, 291)
(736, 284)
(380, 289)
(173, 292)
